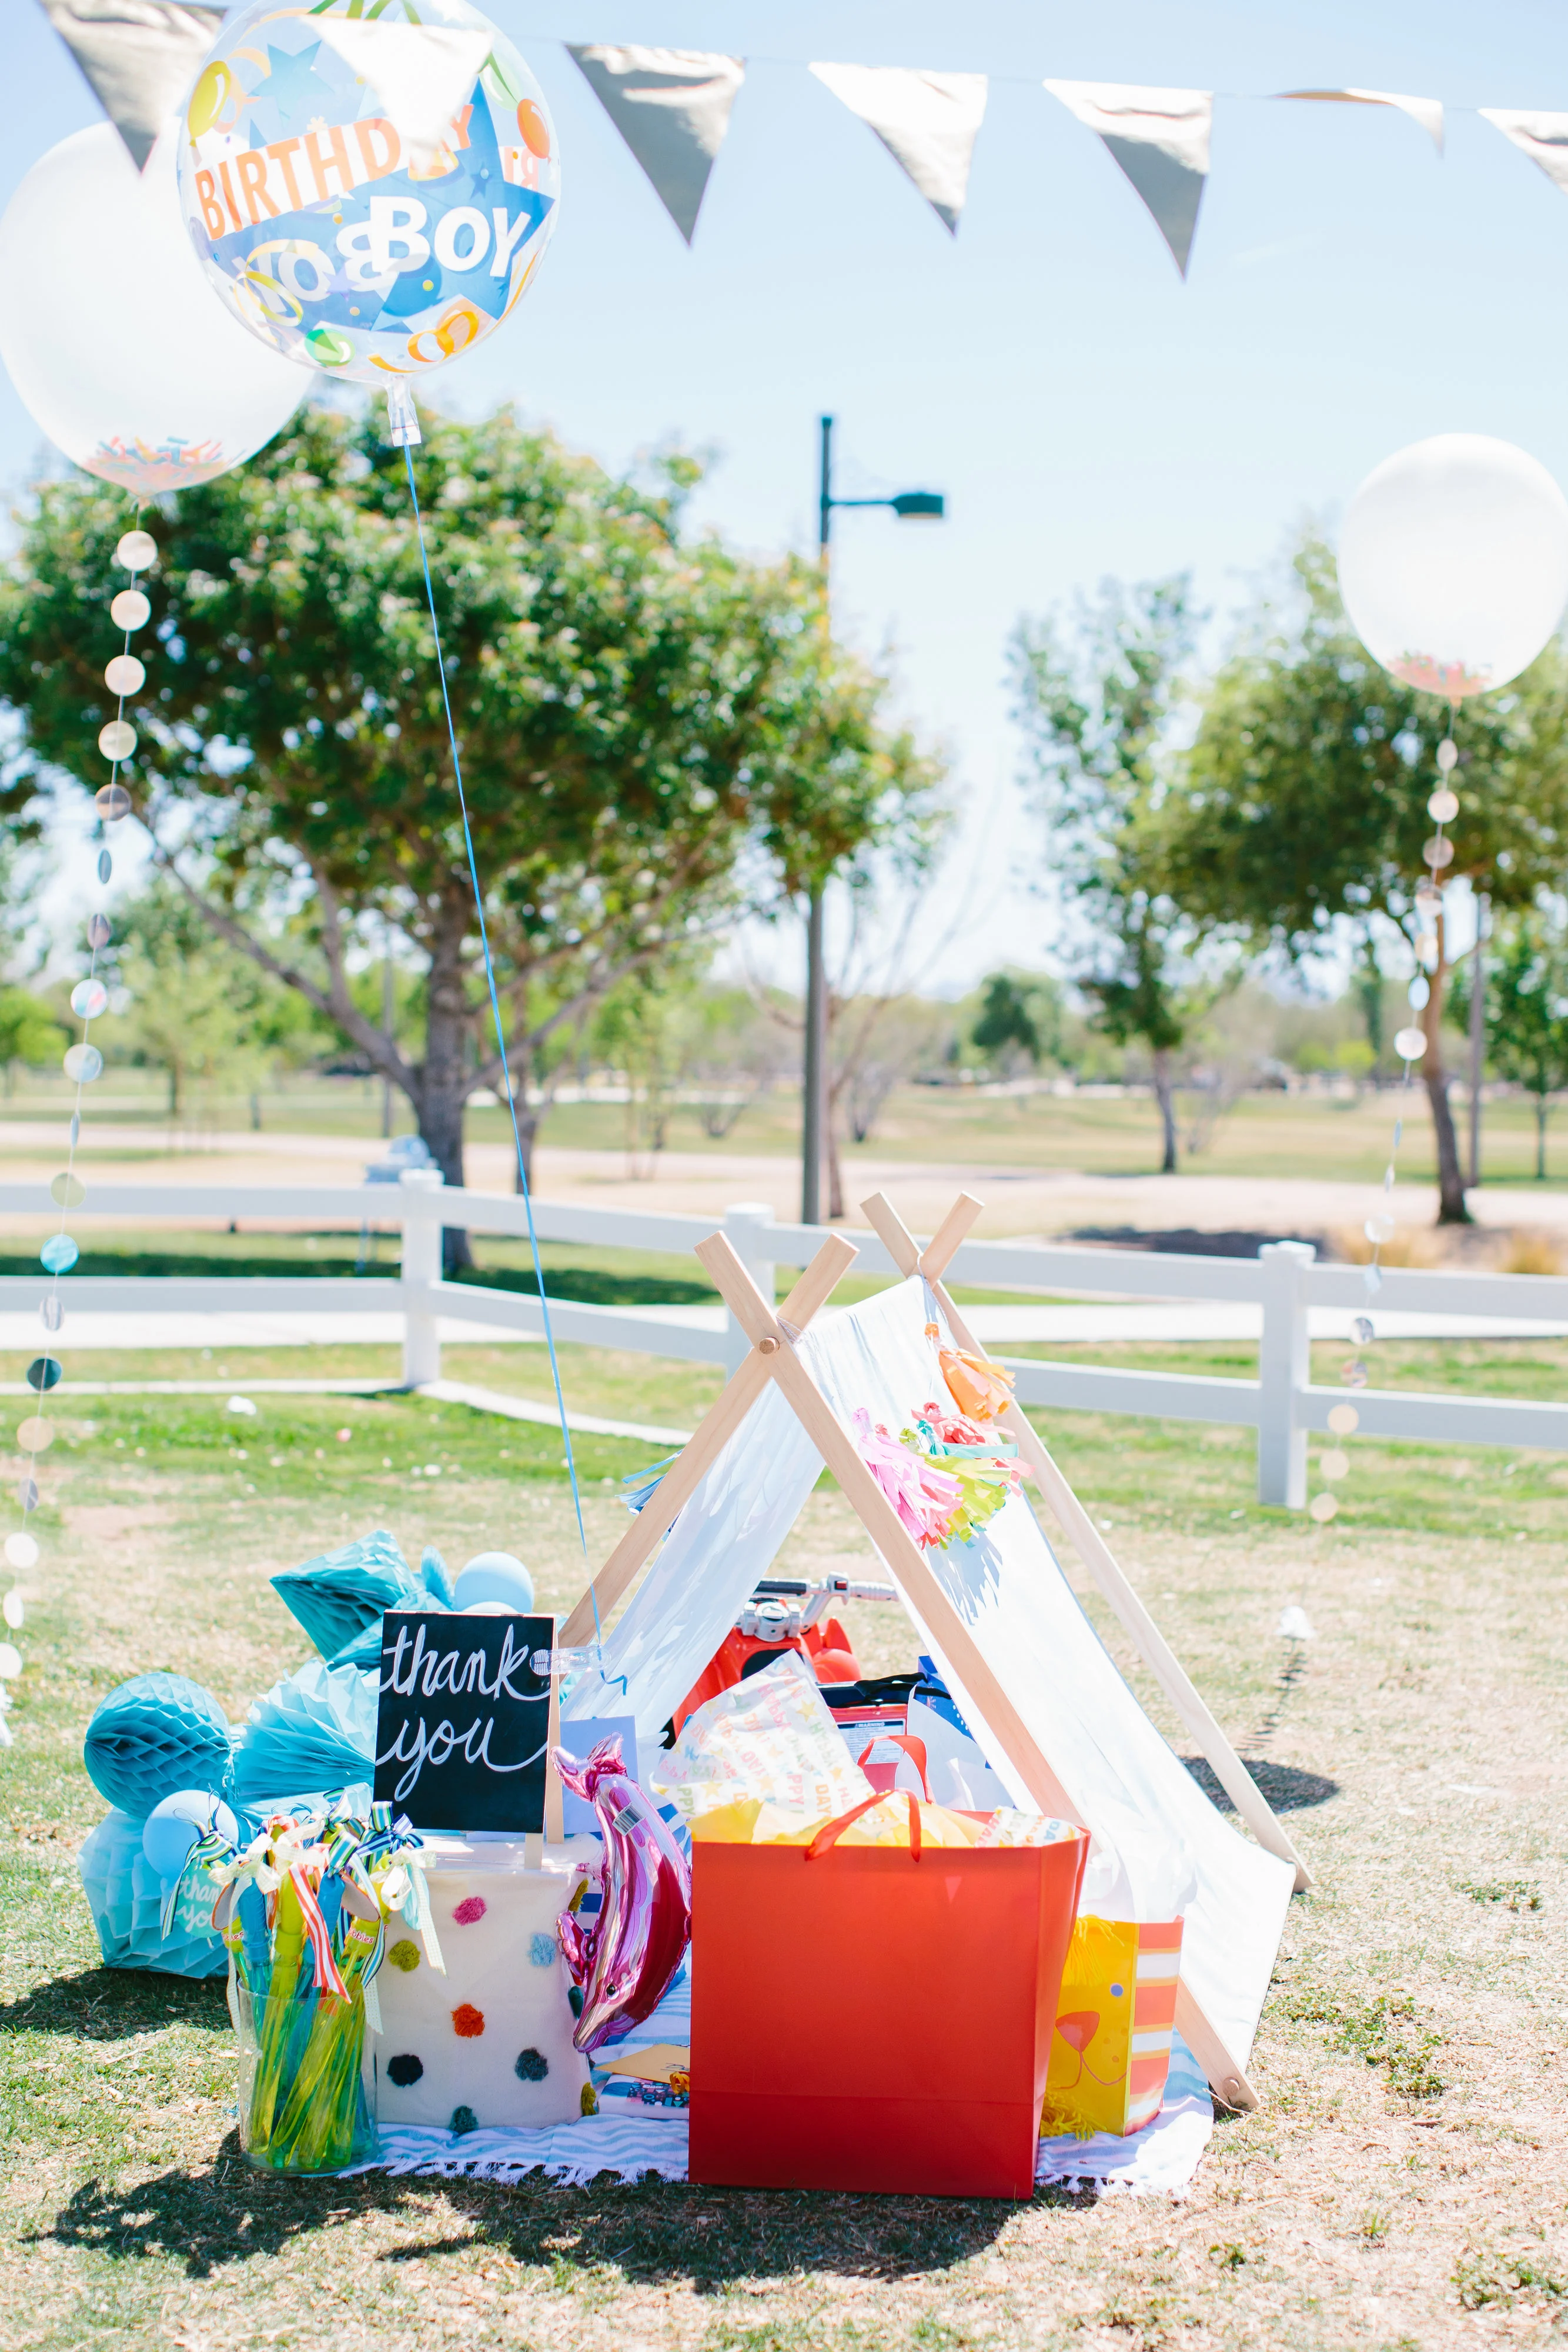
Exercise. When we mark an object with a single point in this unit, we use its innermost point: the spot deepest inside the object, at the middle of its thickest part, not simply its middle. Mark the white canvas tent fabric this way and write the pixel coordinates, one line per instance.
(1021, 1611)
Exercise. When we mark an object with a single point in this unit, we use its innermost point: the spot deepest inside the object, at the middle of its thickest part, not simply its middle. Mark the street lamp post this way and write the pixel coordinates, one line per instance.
(909, 506)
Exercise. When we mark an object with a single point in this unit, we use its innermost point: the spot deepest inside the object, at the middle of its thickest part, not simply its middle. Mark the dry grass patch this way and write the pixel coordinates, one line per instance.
(1402, 2185)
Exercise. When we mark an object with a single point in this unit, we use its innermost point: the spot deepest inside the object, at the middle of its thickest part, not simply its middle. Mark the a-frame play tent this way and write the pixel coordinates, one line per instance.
(1057, 1722)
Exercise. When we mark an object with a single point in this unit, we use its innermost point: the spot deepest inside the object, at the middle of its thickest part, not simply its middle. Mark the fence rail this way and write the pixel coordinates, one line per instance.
(1285, 1281)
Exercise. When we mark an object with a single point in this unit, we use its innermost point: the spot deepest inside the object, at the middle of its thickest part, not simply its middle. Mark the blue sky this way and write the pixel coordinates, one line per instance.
(1084, 411)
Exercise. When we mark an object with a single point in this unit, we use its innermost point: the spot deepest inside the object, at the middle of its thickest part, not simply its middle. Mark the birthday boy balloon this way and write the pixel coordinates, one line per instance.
(369, 194)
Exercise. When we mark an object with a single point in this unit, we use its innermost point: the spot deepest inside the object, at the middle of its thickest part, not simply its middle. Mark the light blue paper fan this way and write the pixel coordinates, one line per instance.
(340, 1598)
(315, 1729)
(125, 1896)
(156, 1734)
(433, 1576)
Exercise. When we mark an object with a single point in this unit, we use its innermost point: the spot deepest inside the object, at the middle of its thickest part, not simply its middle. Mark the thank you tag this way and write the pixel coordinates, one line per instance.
(462, 1719)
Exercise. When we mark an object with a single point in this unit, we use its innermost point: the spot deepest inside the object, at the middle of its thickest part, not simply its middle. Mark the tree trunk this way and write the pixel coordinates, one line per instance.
(835, 1174)
(1165, 1095)
(176, 1089)
(1542, 1109)
(1451, 1209)
(443, 1079)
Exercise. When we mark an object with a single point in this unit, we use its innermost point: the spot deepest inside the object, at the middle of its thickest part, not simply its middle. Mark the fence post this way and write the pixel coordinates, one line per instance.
(747, 1229)
(421, 1264)
(1284, 1366)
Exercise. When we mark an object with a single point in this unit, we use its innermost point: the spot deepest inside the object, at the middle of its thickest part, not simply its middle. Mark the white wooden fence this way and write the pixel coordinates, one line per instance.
(1284, 1281)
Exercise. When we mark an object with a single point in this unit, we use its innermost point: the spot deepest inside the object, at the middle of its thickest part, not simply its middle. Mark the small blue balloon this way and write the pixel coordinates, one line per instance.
(494, 1576)
(58, 1255)
(172, 1827)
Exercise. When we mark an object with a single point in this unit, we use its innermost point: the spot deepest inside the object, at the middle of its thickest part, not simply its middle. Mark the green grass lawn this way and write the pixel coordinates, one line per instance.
(1402, 2184)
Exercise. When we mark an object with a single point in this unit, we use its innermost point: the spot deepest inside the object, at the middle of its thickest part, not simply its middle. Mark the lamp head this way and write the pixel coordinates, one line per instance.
(919, 505)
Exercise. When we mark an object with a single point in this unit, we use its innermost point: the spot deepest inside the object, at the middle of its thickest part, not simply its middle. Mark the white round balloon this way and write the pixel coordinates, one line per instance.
(1453, 563)
(110, 331)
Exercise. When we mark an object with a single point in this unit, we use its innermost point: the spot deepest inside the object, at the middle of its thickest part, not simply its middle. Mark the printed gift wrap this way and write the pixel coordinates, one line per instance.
(1111, 2049)
(488, 2043)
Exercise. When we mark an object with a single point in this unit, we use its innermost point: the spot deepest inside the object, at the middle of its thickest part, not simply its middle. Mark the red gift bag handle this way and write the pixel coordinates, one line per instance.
(912, 1747)
(830, 1831)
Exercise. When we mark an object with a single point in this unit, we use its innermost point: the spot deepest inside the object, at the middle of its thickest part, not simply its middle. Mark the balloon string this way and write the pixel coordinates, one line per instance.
(495, 1002)
(1379, 1228)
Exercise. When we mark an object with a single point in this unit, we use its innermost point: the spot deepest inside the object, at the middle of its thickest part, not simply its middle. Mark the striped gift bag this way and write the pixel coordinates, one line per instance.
(1111, 2051)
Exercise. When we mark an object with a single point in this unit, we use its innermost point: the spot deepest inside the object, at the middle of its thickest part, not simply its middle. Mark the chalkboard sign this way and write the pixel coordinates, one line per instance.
(462, 1719)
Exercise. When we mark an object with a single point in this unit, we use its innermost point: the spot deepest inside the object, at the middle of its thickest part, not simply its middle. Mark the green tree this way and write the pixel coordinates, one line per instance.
(652, 727)
(1019, 1015)
(1303, 801)
(1526, 1010)
(199, 1009)
(29, 1030)
(1097, 699)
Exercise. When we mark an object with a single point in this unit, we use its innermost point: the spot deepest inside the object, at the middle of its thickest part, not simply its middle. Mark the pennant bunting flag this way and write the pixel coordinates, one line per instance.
(928, 121)
(671, 108)
(1543, 137)
(421, 73)
(1160, 139)
(139, 58)
(1426, 111)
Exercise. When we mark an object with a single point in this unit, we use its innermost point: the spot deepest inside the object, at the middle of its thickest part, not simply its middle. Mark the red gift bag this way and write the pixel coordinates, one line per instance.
(875, 2017)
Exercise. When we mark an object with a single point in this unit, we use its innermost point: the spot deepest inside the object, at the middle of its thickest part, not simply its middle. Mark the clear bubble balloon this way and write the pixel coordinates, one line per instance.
(1453, 563)
(369, 193)
(109, 330)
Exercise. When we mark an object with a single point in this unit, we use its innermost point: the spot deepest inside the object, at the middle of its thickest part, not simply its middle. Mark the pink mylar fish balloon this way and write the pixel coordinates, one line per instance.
(623, 1959)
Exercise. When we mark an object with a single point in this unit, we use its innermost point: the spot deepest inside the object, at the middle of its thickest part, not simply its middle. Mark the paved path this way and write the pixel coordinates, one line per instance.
(1020, 1202)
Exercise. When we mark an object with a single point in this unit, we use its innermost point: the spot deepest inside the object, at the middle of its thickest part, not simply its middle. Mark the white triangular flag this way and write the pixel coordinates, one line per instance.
(1426, 111)
(671, 108)
(421, 73)
(139, 56)
(1160, 139)
(928, 121)
(1543, 137)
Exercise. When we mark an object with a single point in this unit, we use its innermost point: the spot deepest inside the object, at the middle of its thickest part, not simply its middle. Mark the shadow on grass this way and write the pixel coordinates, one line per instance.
(1285, 1787)
(657, 2233)
(108, 2004)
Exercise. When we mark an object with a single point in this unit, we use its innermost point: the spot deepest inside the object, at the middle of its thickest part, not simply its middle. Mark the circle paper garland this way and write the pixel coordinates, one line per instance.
(130, 610)
(369, 194)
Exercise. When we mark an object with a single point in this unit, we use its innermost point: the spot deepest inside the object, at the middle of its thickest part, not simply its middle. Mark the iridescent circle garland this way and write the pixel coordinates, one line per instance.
(124, 676)
(1410, 1044)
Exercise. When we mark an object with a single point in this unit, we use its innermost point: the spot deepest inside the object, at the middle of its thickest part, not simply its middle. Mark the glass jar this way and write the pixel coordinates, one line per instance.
(304, 2104)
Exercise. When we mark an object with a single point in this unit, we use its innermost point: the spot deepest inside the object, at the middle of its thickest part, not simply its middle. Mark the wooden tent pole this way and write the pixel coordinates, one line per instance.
(701, 1450)
(1086, 1537)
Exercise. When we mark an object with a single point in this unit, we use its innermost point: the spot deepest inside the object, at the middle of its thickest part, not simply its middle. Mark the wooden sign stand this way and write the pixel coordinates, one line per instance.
(773, 1358)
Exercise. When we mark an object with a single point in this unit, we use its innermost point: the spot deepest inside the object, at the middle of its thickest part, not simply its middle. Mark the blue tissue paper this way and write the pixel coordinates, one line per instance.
(433, 1576)
(340, 1598)
(154, 1735)
(315, 1729)
(125, 1896)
